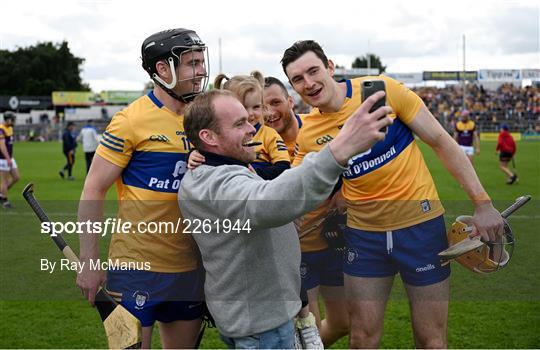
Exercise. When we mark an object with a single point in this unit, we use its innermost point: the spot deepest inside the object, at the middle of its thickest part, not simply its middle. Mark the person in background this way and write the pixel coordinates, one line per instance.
(466, 135)
(280, 113)
(9, 173)
(90, 140)
(69, 144)
(506, 146)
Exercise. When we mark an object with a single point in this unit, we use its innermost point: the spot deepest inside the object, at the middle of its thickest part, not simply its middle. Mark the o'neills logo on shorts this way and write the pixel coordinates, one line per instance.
(428, 267)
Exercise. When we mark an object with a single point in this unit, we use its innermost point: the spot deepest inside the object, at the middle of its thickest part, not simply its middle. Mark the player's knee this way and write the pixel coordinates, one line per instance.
(364, 337)
(341, 328)
(435, 338)
(432, 343)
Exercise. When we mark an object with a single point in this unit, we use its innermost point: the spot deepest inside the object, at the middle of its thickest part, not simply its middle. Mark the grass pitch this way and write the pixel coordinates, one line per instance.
(42, 310)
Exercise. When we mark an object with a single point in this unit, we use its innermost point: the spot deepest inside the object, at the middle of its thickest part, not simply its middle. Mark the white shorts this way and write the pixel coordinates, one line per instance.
(4, 165)
(469, 150)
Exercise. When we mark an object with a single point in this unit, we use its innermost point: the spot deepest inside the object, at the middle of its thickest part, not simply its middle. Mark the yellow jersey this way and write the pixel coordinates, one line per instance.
(309, 225)
(388, 187)
(272, 149)
(148, 141)
(291, 145)
(6, 134)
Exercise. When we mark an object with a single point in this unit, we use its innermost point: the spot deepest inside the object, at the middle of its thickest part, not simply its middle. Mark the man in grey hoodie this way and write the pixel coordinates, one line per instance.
(243, 224)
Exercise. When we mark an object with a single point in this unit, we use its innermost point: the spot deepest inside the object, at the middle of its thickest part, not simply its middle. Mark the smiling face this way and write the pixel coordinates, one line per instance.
(254, 106)
(190, 72)
(312, 80)
(234, 130)
(280, 114)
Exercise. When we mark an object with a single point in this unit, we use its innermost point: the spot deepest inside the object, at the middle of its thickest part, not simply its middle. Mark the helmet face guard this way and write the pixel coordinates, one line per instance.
(487, 258)
(176, 56)
(170, 46)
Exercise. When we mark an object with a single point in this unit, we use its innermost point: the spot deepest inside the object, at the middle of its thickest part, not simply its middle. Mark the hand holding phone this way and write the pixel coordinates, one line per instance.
(369, 87)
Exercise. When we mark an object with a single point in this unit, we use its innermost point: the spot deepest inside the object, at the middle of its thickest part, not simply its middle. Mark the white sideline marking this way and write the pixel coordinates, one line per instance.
(519, 217)
(11, 213)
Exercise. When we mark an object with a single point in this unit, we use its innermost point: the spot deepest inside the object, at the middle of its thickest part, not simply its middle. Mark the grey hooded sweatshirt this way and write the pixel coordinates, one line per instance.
(252, 278)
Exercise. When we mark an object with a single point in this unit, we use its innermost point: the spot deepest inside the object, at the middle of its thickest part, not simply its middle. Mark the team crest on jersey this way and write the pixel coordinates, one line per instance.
(303, 270)
(351, 255)
(141, 297)
(426, 206)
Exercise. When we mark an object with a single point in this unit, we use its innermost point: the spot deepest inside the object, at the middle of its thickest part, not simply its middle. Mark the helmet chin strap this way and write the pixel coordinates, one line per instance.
(162, 82)
(185, 98)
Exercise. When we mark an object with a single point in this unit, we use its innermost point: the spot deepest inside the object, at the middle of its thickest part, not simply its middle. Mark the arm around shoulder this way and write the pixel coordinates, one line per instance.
(239, 194)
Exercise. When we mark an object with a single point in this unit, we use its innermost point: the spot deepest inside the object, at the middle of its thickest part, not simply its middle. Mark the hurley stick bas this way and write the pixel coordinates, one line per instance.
(123, 330)
(471, 243)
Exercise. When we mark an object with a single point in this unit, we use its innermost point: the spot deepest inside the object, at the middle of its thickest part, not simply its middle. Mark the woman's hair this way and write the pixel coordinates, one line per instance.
(241, 85)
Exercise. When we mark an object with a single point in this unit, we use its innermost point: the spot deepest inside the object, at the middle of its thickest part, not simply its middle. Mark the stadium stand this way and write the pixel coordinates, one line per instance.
(517, 107)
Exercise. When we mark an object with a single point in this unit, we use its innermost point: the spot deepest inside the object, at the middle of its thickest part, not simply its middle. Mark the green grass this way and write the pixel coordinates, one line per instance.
(40, 310)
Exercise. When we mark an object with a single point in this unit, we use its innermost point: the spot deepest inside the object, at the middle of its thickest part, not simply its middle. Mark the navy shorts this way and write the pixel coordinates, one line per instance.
(323, 267)
(411, 251)
(505, 156)
(158, 296)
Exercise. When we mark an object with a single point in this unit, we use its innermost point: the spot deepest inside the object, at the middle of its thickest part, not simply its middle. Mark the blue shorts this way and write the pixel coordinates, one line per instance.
(411, 251)
(158, 296)
(323, 267)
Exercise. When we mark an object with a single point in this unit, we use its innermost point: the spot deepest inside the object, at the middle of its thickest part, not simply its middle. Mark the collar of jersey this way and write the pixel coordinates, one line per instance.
(154, 99)
(349, 87)
(298, 120)
(214, 159)
(348, 95)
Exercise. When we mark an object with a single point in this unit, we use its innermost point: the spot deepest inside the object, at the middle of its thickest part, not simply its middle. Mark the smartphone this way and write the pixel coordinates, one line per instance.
(369, 87)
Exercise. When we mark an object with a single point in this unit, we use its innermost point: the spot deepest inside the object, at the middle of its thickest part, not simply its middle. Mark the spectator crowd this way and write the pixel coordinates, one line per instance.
(517, 107)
